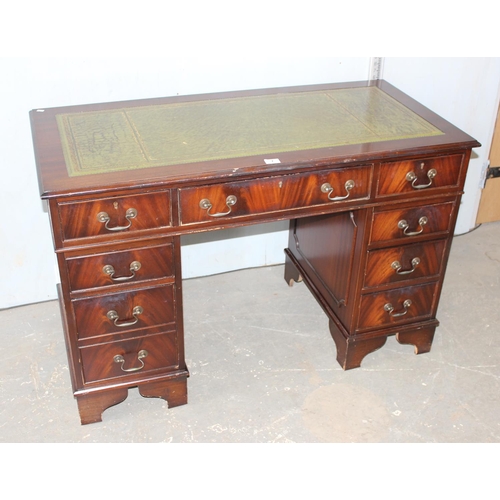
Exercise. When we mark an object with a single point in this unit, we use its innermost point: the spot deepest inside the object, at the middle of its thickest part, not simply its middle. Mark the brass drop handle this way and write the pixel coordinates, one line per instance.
(206, 204)
(412, 177)
(402, 224)
(140, 355)
(103, 217)
(390, 309)
(110, 271)
(327, 188)
(397, 266)
(113, 316)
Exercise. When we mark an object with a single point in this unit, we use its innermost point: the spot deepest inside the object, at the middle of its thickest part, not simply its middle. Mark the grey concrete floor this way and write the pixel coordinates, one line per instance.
(263, 369)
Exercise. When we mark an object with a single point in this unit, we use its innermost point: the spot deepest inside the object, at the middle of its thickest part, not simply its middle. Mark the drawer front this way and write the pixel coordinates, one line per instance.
(123, 312)
(419, 176)
(132, 357)
(272, 194)
(229, 201)
(402, 305)
(328, 187)
(115, 216)
(404, 263)
(406, 224)
(131, 266)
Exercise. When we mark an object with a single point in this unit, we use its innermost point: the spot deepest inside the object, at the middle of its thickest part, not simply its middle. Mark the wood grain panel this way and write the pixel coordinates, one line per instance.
(373, 315)
(91, 313)
(251, 198)
(328, 245)
(305, 190)
(79, 219)
(393, 175)
(385, 224)
(380, 269)
(88, 271)
(274, 194)
(98, 360)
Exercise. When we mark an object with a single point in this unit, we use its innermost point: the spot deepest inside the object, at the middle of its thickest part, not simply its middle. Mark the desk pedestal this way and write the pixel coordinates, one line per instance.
(330, 254)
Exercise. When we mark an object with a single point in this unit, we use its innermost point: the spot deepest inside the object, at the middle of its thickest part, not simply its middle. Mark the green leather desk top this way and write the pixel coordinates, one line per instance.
(96, 142)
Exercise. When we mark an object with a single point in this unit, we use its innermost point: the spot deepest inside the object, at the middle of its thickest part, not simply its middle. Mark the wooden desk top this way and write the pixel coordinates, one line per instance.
(184, 139)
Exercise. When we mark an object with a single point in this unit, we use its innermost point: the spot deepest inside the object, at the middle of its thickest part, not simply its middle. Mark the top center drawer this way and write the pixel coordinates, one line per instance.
(274, 194)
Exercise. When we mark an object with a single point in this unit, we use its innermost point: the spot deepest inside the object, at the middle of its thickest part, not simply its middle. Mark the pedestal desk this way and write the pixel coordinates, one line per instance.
(370, 180)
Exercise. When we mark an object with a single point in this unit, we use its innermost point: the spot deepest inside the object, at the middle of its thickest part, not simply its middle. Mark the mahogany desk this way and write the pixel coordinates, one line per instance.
(370, 180)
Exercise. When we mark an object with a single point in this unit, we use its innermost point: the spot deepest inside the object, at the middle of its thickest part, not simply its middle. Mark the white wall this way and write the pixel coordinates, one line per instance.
(28, 264)
(463, 90)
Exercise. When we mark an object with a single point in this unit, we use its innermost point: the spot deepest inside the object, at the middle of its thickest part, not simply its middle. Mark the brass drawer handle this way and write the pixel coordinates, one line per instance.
(131, 213)
(110, 270)
(412, 177)
(402, 224)
(207, 205)
(140, 355)
(390, 309)
(397, 266)
(113, 316)
(327, 188)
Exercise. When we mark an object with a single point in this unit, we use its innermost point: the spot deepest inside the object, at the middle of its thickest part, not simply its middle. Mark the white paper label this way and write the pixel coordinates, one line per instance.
(271, 161)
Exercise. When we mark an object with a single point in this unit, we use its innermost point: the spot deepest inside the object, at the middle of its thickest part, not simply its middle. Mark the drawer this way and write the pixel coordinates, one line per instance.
(113, 268)
(329, 187)
(419, 176)
(402, 305)
(138, 356)
(229, 201)
(122, 312)
(274, 194)
(406, 224)
(404, 263)
(116, 216)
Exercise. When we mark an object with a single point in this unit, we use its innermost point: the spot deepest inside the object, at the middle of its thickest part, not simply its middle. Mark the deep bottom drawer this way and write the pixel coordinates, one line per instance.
(130, 357)
(402, 305)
